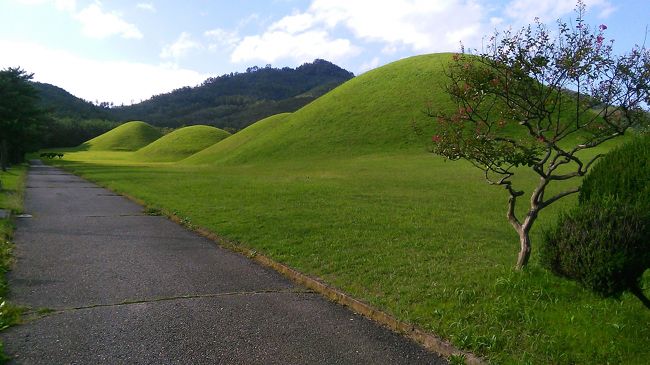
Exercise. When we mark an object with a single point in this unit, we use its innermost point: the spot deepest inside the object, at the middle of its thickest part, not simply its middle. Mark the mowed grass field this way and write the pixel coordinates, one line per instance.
(345, 191)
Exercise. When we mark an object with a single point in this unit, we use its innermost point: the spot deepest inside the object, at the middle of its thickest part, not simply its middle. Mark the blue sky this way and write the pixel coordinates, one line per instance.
(126, 51)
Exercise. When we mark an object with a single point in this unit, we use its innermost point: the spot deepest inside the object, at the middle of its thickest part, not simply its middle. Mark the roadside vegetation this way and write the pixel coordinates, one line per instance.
(345, 190)
(11, 199)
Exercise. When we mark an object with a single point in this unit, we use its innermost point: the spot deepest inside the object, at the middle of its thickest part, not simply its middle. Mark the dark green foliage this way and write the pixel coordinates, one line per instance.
(236, 100)
(63, 105)
(624, 174)
(67, 132)
(20, 116)
(604, 243)
(603, 246)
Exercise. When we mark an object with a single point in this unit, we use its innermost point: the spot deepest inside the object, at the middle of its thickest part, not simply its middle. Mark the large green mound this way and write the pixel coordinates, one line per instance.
(129, 136)
(230, 148)
(181, 143)
(380, 111)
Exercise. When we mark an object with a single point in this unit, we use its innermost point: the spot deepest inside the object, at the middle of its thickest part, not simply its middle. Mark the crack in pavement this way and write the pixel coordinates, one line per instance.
(31, 316)
(63, 187)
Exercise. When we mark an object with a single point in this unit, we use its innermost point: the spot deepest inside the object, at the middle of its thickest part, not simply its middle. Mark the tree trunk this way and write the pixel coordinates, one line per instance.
(4, 154)
(524, 248)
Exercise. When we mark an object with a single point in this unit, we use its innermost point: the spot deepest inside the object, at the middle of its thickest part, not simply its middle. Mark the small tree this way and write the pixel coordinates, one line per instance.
(540, 102)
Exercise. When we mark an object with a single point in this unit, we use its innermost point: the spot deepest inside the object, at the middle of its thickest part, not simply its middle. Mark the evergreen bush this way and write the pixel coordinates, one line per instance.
(604, 242)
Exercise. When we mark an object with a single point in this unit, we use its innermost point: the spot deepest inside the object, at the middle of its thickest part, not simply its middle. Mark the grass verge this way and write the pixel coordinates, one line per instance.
(11, 199)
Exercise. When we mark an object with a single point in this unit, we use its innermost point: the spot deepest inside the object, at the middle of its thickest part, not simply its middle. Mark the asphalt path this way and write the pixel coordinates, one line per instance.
(107, 284)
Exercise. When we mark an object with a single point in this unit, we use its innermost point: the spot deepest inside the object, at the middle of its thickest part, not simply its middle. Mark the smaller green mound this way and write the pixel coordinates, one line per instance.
(228, 149)
(129, 136)
(180, 144)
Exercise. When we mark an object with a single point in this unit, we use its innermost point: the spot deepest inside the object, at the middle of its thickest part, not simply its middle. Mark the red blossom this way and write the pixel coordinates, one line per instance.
(436, 138)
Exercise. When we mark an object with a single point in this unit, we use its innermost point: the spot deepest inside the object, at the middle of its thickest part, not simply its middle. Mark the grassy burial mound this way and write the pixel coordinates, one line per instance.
(180, 143)
(378, 112)
(233, 146)
(129, 136)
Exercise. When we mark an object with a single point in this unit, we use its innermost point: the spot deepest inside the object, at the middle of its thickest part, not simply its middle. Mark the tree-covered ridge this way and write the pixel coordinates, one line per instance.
(236, 100)
(61, 104)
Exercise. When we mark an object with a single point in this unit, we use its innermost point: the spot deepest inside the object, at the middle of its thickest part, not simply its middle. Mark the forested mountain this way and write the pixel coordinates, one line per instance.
(62, 104)
(70, 120)
(235, 100)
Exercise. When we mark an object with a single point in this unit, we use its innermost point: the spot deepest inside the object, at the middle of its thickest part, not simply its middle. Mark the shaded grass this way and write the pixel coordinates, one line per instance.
(11, 198)
(420, 237)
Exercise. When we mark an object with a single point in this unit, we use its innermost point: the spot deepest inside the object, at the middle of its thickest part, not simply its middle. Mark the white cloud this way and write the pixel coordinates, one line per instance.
(181, 47)
(116, 81)
(96, 23)
(416, 25)
(221, 38)
(302, 47)
(422, 25)
(374, 63)
(146, 6)
(64, 5)
(100, 24)
(293, 23)
(525, 11)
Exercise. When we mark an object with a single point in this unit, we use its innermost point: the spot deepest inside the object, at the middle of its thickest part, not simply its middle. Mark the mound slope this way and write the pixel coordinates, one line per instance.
(231, 148)
(129, 136)
(377, 112)
(180, 143)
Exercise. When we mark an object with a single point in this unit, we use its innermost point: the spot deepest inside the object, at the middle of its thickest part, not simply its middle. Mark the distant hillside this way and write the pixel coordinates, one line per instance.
(235, 100)
(62, 104)
(129, 136)
(231, 101)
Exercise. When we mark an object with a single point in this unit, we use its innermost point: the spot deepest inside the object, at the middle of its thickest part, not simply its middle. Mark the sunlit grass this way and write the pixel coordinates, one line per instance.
(180, 143)
(422, 238)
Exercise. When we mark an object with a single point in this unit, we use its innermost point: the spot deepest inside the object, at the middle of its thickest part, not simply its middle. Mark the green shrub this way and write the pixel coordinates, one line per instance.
(623, 174)
(604, 246)
(604, 243)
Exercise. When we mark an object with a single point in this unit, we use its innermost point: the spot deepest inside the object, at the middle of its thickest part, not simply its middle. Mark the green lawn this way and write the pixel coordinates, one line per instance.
(11, 198)
(419, 237)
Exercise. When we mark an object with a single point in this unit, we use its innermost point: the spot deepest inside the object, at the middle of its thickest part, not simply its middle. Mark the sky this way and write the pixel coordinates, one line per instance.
(124, 51)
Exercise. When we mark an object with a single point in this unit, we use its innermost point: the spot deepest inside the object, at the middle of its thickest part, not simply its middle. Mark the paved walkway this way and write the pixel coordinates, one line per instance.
(130, 288)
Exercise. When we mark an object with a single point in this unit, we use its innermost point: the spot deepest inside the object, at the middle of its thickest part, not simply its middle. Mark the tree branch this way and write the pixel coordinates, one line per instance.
(556, 197)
